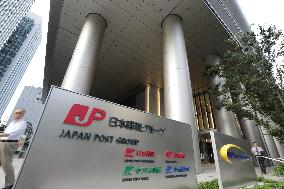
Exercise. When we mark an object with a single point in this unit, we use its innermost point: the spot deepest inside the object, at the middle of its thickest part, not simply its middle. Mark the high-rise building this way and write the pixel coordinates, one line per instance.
(11, 13)
(30, 100)
(15, 56)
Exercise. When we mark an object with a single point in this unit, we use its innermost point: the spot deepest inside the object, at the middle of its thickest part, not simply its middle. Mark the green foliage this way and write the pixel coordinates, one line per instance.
(268, 184)
(279, 170)
(213, 184)
(253, 79)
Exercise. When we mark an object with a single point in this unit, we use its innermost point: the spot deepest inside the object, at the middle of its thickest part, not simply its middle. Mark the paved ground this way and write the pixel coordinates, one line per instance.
(17, 165)
(208, 173)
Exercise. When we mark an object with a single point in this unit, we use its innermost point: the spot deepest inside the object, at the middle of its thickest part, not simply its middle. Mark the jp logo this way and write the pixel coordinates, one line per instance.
(227, 155)
(80, 115)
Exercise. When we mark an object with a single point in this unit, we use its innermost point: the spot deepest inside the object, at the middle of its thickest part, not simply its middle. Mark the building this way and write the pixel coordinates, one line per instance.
(30, 100)
(147, 55)
(11, 13)
(15, 56)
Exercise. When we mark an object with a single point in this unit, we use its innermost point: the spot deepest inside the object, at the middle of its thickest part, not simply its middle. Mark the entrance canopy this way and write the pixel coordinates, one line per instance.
(132, 49)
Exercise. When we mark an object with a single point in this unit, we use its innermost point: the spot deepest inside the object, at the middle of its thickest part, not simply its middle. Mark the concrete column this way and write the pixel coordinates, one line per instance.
(225, 120)
(271, 146)
(252, 134)
(80, 73)
(280, 148)
(178, 97)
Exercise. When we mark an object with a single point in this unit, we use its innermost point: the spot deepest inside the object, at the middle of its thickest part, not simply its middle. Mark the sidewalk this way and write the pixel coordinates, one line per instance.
(17, 165)
(208, 173)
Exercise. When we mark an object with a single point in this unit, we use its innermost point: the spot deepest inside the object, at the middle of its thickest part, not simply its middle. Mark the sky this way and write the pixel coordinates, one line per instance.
(262, 12)
(258, 12)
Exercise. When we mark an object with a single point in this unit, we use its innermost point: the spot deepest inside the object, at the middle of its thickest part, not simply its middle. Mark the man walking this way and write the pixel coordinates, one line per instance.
(9, 144)
(258, 151)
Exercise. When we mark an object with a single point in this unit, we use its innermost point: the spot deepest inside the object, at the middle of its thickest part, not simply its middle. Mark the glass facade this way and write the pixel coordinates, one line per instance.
(14, 43)
(11, 13)
(15, 56)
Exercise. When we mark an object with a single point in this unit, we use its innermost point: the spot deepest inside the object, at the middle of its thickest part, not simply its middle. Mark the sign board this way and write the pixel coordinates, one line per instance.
(233, 161)
(84, 142)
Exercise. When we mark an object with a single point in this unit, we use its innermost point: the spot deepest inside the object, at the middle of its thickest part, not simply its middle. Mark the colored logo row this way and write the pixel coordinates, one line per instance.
(130, 170)
(131, 152)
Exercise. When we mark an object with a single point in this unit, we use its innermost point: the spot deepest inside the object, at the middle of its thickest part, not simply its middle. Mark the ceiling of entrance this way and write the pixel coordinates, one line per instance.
(131, 52)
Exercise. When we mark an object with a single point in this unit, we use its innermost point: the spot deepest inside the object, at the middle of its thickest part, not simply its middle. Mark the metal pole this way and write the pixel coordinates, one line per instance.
(252, 133)
(271, 146)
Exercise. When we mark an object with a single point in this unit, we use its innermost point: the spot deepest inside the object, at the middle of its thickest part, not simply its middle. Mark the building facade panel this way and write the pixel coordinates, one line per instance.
(132, 41)
(229, 14)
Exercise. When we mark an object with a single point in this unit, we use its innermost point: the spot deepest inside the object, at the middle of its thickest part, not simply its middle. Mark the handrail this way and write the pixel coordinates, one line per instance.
(273, 159)
(280, 159)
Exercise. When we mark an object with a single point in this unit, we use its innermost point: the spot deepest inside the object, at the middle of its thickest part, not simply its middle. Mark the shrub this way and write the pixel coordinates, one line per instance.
(213, 184)
(279, 170)
(268, 184)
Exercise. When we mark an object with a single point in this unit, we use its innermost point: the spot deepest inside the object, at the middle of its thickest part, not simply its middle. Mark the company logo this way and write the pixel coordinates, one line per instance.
(80, 115)
(169, 154)
(129, 170)
(227, 155)
(176, 169)
(130, 152)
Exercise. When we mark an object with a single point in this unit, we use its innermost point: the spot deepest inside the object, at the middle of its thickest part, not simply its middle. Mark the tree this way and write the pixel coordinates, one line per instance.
(253, 73)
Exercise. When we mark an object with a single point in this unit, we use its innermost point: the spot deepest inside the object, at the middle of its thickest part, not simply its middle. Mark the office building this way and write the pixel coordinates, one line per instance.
(11, 13)
(15, 56)
(30, 100)
(149, 55)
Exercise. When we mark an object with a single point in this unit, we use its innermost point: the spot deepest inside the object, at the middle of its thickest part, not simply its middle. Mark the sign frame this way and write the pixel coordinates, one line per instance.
(234, 170)
(105, 142)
